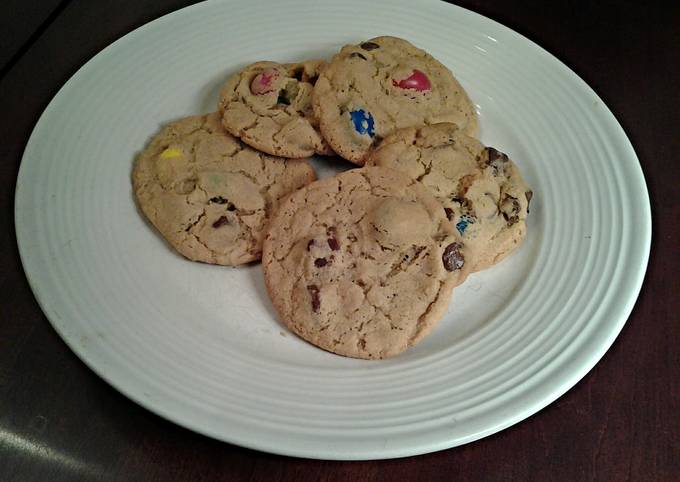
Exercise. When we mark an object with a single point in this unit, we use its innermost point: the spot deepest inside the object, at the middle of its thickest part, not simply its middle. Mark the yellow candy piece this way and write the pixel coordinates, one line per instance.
(171, 152)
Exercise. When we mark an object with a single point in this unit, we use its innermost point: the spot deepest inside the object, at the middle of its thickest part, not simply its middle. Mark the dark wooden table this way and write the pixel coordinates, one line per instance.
(59, 421)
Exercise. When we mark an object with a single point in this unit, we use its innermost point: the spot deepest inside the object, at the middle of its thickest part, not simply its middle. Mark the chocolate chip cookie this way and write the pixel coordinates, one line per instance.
(269, 107)
(210, 195)
(481, 189)
(372, 89)
(363, 264)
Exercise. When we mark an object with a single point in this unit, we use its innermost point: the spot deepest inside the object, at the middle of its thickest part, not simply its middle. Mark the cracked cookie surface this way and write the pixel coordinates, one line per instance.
(269, 107)
(210, 195)
(481, 189)
(362, 264)
(371, 89)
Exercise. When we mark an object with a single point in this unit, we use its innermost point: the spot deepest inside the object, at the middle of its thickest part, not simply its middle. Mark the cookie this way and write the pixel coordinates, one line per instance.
(269, 107)
(372, 89)
(210, 195)
(481, 189)
(362, 264)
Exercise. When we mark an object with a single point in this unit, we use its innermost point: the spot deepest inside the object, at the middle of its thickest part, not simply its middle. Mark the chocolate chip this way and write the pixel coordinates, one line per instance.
(529, 195)
(466, 206)
(220, 222)
(494, 154)
(370, 46)
(320, 262)
(357, 55)
(298, 73)
(332, 240)
(452, 258)
(316, 300)
(310, 243)
(449, 213)
(510, 208)
(221, 200)
(495, 159)
(515, 207)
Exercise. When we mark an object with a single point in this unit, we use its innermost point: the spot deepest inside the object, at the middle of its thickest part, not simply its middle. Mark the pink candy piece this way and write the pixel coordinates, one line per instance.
(417, 81)
(264, 82)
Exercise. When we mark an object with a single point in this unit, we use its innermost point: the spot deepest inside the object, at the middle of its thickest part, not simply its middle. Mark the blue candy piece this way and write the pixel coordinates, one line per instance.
(464, 222)
(363, 122)
(462, 225)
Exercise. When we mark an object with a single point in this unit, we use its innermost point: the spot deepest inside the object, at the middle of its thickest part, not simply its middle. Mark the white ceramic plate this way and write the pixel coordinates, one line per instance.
(201, 346)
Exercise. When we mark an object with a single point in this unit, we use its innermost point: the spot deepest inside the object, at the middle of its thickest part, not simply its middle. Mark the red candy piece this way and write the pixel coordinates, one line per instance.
(417, 81)
(264, 82)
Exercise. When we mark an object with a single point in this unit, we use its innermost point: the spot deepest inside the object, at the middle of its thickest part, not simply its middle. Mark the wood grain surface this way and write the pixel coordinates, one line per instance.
(59, 421)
